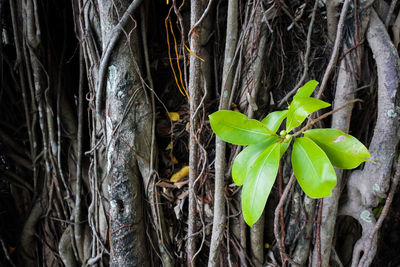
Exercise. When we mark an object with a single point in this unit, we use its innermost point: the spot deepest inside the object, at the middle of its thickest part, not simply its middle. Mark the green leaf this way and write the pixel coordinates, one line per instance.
(246, 158)
(236, 128)
(284, 146)
(274, 120)
(307, 89)
(343, 150)
(258, 183)
(300, 108)
(312, 168)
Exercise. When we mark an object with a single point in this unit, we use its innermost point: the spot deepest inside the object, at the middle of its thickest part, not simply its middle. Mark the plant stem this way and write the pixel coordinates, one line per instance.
(323, 117)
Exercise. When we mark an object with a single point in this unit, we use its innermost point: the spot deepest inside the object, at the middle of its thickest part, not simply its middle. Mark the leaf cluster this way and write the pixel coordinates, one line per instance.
(313, 155)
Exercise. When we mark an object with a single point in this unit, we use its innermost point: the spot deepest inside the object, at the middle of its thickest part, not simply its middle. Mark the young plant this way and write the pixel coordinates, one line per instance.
(313, 155)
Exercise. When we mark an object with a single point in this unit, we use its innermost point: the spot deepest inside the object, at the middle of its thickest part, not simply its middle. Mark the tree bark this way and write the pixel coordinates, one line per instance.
(195, 89)
(127, 141)
(365, 186)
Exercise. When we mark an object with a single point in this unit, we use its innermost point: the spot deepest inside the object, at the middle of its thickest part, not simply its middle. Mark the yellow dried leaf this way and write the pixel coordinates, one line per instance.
(180, 174)
(174, 116)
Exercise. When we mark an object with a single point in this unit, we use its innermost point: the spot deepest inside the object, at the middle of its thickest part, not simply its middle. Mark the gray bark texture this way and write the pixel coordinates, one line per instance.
(219, 220)
(128, 121)
(345, 89)
(367, 185)
(195, 92)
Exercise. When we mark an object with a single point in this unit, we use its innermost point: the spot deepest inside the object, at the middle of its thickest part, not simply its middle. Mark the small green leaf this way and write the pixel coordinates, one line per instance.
(343, 150)
(258, 183)
(307, 89)
(246, 158)
(274, 120)
(312, 168)
(300, 108)
(236, 128)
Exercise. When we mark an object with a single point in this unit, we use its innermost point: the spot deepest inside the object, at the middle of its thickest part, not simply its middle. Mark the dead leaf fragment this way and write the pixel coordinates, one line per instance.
(180, 174)
(174, 116)
(235, 107)
(174, 160)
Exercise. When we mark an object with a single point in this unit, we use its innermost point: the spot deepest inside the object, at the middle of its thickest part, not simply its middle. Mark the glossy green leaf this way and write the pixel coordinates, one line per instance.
(245, 160)
(258, 183)
(284, 146)
(343, 150)
(307, 89)
(300, 108)
(274, 120)
(312, 168)
(236, 128)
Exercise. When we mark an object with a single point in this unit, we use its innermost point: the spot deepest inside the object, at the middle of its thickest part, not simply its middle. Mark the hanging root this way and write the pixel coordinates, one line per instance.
(367, 185)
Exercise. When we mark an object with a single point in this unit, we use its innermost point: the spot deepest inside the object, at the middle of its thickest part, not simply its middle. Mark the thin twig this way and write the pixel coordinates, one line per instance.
(5, 251)
(206, 11)
(324, 116)
(219, 219)
(150, 79)
(195, 94)
(356, 36)
(201, 217)
(282, 5)
(166, 256)
(357, 46)
(284, 256)
(307, 54)
(282, 217)
(78, 227)
(336, 47)
(182, 32)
